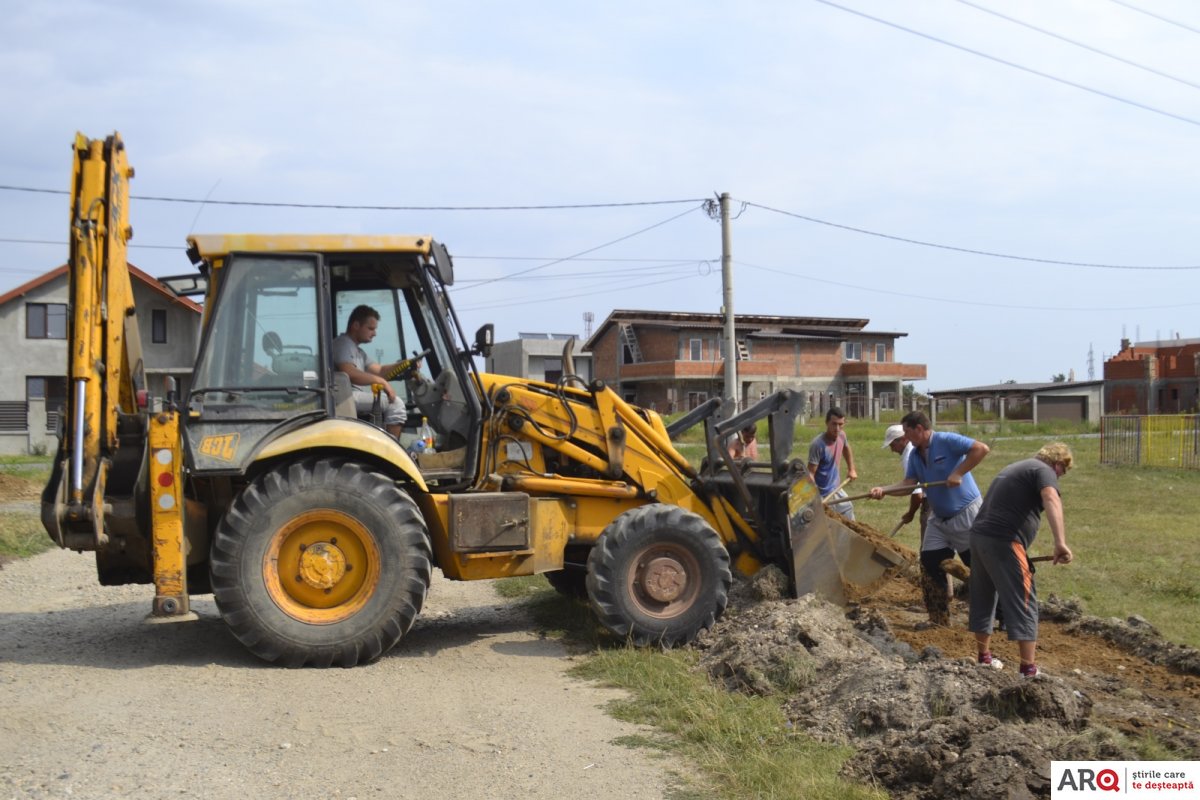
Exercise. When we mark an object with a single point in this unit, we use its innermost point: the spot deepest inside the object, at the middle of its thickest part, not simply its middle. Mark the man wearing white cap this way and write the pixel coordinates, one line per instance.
(894, 440)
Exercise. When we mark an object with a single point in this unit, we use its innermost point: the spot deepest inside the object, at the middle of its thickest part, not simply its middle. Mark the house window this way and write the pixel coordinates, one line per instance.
(854, 351)
(881, 352)
(695, 399)
(695, 349)
(158, 326)
(51, 388)
(45, 320)
(552, 370)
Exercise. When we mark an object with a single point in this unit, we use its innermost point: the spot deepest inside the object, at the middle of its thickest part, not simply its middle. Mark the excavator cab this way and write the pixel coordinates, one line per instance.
(265, 369)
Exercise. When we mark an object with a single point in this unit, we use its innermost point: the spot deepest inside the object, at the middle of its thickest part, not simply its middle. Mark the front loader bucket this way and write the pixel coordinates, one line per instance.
(826, 555)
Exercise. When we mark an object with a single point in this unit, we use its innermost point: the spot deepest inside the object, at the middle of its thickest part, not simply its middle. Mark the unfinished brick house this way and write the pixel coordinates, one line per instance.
(674, 360)
(1159, 377)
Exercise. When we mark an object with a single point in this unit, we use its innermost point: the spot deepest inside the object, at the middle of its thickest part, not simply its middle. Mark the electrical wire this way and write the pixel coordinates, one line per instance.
(1088, 47)
(343, 206)
(622, 288)
(971, 251)
(1013, 64)
(1159, 17)
(589, 250)
(925, 298)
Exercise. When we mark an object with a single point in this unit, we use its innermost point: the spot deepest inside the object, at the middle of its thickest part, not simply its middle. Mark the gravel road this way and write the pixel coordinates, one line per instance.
(471, 704)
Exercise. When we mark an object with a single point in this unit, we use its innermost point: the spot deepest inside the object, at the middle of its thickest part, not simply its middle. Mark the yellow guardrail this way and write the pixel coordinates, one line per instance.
(1159, 440)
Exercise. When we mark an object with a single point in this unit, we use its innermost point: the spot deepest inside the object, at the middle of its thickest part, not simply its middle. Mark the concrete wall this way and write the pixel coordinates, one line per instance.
(531, 358)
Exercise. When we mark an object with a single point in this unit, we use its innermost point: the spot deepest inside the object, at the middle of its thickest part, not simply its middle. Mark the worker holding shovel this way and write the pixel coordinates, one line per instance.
(943, 462)
(824, 453)
(894, 440)
(1000, 539)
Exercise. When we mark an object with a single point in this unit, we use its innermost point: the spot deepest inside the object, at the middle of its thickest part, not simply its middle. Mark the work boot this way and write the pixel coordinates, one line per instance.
(937, 599)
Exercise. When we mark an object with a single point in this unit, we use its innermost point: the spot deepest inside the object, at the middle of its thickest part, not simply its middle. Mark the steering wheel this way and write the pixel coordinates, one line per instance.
(272, 345)
(406, 367)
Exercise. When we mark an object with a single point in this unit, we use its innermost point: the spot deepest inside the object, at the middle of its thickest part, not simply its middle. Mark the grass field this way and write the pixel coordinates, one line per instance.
(21, 531)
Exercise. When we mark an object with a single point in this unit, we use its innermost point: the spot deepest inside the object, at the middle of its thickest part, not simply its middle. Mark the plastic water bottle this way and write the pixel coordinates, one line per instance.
(426, 435)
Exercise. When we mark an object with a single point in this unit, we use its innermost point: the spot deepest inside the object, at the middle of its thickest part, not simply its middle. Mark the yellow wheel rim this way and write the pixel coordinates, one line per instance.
(321, 567)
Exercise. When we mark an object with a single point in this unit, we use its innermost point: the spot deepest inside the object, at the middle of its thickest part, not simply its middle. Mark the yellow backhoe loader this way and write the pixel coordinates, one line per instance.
(317, 530)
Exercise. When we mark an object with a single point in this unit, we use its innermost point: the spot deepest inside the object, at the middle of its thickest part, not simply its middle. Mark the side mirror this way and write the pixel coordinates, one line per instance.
(483, 340)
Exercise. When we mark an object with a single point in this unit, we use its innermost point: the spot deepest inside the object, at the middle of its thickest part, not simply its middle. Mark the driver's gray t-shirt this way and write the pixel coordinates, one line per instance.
(346, 350)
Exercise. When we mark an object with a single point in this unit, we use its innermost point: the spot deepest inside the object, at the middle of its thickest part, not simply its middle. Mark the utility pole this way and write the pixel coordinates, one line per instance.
(731, 379)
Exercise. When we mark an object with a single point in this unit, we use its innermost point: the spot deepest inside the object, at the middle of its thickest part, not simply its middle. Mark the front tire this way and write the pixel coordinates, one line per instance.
(658, 575)
(321, 562)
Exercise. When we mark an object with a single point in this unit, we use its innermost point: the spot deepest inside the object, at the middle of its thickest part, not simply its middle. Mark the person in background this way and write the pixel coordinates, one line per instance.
(1001, 536)
(744, 443)
(894, 440)
(349, 358)
(938, 457)
(824, 453)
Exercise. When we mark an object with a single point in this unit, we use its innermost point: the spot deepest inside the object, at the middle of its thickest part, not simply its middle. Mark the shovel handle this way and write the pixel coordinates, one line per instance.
(829, 498)
(896, 489)
(1035, 559)
(896, 529)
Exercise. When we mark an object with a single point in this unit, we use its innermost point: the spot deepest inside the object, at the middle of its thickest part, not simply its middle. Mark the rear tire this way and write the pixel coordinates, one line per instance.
(658, 575)
(321, 562)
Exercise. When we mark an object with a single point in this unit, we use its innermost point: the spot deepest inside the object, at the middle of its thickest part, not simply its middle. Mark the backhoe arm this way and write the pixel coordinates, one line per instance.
(104, 368)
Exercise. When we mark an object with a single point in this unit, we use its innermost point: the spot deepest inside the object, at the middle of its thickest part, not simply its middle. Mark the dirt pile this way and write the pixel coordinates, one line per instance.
(927, 722)
(13, 487)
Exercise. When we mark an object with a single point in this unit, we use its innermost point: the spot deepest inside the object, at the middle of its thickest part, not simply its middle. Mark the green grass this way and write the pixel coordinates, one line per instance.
(22, 535)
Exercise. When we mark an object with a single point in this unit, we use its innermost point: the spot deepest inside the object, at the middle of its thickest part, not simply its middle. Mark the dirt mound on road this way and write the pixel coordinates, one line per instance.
(926, 721)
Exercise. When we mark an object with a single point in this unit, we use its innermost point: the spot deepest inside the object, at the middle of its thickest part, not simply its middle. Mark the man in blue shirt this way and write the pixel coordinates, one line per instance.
(937, 457)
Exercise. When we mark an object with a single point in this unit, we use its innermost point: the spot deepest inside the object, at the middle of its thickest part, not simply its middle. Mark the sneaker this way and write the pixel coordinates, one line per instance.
(1031, 671)
(988, 660)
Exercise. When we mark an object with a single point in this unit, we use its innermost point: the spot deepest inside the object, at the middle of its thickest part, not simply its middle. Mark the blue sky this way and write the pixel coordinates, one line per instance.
(800, 107)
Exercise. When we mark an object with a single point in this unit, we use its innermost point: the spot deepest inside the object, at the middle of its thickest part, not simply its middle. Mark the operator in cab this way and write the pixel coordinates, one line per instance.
(351, 359)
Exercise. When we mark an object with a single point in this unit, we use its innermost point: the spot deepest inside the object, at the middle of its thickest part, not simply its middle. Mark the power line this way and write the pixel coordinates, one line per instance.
(589, 250)
(1012, 64)
(1096, 50)
(928, 298)
(1167, 20)
(346, 207)
(64, 244)
(622, 288)
(988, 253)
(663, 269)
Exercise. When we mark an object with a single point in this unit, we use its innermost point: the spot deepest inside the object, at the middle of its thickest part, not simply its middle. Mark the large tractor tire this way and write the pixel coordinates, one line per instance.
(321, 562)
(658, 575)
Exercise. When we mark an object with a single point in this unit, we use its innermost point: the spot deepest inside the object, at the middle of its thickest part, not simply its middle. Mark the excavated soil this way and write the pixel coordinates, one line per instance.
(925, 720)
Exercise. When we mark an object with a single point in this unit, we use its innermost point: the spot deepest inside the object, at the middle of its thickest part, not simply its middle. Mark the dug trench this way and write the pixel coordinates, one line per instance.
(924, 719)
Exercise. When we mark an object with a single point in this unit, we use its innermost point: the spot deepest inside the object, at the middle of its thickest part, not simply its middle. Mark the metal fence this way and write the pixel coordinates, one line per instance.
(1161, 440)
